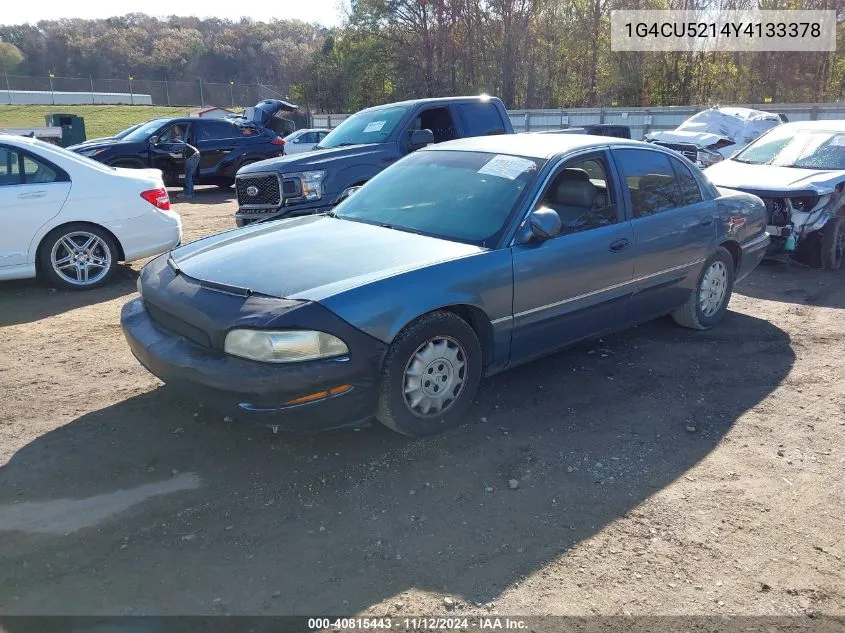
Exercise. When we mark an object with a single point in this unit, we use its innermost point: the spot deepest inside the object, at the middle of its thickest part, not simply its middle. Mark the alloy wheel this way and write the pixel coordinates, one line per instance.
(80, 258)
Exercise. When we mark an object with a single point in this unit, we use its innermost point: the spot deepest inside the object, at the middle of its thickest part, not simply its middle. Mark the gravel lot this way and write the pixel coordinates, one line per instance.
(657, 471)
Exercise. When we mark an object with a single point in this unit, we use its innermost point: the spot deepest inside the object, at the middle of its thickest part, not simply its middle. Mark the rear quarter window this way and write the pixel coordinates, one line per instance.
(481, 119)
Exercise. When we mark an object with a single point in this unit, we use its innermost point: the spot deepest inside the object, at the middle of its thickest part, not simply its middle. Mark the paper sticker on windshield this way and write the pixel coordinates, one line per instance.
(374, 126)
(510, 167)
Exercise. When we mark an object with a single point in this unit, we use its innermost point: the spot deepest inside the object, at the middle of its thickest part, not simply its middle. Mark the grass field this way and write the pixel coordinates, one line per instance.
(100, 120)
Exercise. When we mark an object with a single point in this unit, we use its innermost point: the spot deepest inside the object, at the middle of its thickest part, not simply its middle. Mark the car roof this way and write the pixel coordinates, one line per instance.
(430, 101)
(830, 125)
(536, 145)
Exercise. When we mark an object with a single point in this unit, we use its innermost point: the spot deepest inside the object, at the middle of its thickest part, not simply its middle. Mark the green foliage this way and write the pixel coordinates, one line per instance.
(100, 120)
(10, 57)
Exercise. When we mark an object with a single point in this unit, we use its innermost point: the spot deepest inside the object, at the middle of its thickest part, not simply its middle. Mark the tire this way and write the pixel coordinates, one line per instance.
(434, 345)
(64, 243)
(833, 243)
(717, 273)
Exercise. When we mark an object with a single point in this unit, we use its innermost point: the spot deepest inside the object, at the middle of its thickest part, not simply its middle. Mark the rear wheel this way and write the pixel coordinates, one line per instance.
(78, 256)
(708, 302)
(430, 375)
(833, 243)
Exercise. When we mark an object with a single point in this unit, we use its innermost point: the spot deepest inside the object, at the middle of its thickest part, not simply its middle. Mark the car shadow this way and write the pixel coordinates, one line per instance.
(337, 522)
(29, 300)
(790, 282)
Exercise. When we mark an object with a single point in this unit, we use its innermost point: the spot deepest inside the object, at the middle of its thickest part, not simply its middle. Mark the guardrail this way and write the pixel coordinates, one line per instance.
(640, 120)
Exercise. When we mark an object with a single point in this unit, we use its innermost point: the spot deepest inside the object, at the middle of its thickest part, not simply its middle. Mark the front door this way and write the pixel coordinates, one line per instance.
(578, 284)
(32, 191)
(168, 152)
(673, 226)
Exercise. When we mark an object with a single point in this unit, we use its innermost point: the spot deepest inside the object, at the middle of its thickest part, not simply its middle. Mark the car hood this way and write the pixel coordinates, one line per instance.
(310, 257)
(319, 159)
(700, 139)
(772, 179)
(105, 143)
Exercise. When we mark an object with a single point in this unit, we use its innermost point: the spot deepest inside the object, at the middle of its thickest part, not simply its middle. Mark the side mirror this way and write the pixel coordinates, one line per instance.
(544, 224)
(421, 138)
(295, 141)
(154, 141)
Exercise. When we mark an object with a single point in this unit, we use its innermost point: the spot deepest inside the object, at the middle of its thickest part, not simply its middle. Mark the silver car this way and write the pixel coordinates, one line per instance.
(304, 140)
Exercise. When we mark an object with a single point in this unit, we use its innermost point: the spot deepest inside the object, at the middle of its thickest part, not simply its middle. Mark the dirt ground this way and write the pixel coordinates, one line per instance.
(660, 471)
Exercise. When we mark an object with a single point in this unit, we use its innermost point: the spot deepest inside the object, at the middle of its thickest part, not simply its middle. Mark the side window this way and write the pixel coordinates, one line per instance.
(322, 135)
(216, 130)
(690, 191)
(309, 138)
(650, 180)
(439, 121)
(10, 167)
(37, 172)
(174, 134)
(582, 196)
(481, 119)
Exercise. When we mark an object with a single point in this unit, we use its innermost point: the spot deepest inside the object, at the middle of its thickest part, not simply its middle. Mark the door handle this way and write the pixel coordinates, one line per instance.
(619, 245)
(32, 194)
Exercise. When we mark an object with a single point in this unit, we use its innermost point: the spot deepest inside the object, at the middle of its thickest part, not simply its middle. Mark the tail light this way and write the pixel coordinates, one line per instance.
(278, 141)
(158, 198)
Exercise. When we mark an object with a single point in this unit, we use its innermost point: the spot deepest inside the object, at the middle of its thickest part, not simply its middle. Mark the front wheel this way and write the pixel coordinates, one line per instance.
(708, 302)
(833, 243)
(430, 375)
(78, 256)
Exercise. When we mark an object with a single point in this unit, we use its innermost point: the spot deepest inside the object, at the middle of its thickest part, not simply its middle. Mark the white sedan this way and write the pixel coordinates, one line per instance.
(304, 140)
(73, 219)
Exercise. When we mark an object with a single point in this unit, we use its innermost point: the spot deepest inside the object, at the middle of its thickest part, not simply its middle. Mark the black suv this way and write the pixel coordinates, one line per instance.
(225, 145)
(358, 149)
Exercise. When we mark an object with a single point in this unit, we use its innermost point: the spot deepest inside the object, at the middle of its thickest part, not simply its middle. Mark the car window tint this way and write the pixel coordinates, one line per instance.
(174, 134)
(481, 118)
(36, 171)
(582, 196)
(10, 173)
(216, 130)
(650, 181)
(690, 191)
(308, 138)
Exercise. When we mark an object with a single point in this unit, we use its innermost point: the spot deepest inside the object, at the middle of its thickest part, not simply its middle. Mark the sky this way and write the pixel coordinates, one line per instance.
(327, 12)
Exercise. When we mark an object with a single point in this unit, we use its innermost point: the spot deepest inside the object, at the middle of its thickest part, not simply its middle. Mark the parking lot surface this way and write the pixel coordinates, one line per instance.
(656, 471)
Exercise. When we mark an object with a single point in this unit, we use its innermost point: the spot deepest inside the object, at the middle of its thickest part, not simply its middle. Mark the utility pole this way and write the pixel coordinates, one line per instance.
(8, 87)
(91, 79)
(131, 94)
(202, 100)
(52, 94)
(166, 90)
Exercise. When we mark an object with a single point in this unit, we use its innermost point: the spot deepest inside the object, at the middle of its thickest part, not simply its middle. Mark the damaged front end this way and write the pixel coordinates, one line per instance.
(793, 218)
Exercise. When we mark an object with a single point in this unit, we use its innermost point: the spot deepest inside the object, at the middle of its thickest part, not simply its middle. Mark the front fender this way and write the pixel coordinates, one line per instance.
(483, 280)
(739, 216)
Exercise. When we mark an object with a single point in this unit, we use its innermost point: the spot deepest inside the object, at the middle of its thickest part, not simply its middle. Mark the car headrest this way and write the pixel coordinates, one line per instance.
(574, 189)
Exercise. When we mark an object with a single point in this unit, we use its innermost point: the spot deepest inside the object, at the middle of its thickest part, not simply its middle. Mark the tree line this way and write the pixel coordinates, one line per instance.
(530, 53)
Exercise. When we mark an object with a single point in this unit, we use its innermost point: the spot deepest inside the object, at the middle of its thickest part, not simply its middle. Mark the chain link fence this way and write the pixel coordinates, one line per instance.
(16, 89)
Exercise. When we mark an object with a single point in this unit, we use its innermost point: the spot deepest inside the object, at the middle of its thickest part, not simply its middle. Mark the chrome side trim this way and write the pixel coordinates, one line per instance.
(502, 320)
(608, 288)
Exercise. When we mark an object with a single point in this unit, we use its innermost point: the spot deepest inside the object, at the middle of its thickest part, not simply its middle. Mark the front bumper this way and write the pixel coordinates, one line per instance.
(247, 387)
(248, 216)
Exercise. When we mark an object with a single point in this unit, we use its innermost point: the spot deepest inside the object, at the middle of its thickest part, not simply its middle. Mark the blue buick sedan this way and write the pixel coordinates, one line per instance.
(461, 260)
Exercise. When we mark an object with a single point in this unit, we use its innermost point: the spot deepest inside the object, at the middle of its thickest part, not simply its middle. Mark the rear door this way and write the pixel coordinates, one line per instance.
(32, 191)
(480, 118)
(673, 225)
(215, 140)
(578, 284)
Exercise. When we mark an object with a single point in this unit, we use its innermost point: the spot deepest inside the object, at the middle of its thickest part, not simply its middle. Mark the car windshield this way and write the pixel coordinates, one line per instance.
(143, 132)
(364, 127)
(806, 149)
(460, 196)
(127, 131)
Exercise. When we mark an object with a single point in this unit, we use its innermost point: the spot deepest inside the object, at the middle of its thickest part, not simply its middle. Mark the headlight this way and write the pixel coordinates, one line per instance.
(140, 287)
(92, 152)
(707, 158)
(283, 346)
(311, 184)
